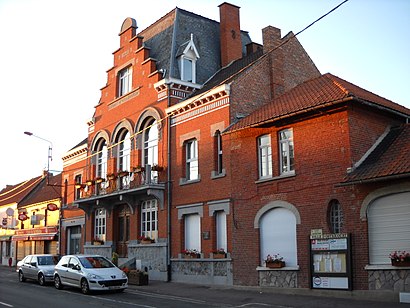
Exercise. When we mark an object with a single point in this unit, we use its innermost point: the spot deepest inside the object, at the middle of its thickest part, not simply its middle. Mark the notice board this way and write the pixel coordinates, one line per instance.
(330, 259)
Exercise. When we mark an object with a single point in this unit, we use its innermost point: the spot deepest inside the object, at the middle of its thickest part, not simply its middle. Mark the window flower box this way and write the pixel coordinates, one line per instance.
(146, 240)
(191, 254)
(274, 261)
(139, 169)
(98, 242)
(121, 174)
(219, 254)
(400, 258)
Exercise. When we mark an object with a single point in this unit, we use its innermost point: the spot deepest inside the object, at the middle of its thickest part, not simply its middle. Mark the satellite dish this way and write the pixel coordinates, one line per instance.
(10, 211)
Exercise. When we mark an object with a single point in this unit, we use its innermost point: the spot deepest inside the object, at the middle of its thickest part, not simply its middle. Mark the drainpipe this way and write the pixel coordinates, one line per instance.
(169, 186)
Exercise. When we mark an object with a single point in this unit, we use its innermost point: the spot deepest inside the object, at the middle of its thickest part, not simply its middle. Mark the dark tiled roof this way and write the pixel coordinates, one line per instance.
(16, 193)
(48, 190)
(166, 36)
(389, 159)
(79, 144)
(315, 93)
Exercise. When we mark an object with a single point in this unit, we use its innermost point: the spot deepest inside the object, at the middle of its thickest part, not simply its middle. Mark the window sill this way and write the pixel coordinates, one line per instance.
(385, 267)
(286, 268)
(184, 181)
(216, 175)
(280, 177)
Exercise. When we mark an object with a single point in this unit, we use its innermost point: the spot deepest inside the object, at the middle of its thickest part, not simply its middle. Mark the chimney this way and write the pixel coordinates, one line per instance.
(272, 39)
(230, 33)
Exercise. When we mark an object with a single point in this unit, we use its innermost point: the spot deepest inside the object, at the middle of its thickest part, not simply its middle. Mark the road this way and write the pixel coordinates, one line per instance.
(159, 294)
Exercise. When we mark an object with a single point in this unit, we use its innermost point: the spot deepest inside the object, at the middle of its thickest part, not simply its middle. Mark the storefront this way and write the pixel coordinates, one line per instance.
(35, 241)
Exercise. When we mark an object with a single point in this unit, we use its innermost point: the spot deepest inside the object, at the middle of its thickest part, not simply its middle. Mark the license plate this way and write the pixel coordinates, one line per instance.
(114, 287)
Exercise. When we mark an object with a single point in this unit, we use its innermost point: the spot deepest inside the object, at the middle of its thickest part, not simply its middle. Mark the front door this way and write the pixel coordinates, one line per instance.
(123, 231)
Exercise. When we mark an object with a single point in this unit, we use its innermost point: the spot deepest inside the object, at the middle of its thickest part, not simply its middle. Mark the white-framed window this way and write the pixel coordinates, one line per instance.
(278, 235)
(150, 144)
(265, 156)
(102, 157)
(187, 62)
(335, 216)
(191, 160)
(221, 230)
(124, 151)
(124, 81)
(219, 162)
(286, 151)
(192, 231)
(149, 219)
(100, 224)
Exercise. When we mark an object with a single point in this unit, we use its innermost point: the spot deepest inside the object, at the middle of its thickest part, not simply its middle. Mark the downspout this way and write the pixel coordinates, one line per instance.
(169, 184)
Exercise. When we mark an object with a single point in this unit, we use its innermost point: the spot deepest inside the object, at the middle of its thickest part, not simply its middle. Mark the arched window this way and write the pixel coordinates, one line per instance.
(278, 235)
(102, 156)
(124, 150)
(151, 142)
(335, 216)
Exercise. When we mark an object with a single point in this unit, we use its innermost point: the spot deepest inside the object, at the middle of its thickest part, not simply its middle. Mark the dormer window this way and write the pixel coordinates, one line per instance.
(124, 81)
(187, 61)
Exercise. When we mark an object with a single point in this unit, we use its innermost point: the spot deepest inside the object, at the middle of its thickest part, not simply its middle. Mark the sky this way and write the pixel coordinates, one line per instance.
(55, 53)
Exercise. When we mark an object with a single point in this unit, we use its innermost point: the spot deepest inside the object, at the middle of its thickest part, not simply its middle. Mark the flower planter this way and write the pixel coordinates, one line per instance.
(137, 278)
(219, 255)
(279, 264)
(96, 243)
(191, 256)
(146, 242)
(399, 263)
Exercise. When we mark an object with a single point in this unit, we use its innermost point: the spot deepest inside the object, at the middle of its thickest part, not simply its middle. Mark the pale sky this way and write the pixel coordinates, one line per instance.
(55, 53)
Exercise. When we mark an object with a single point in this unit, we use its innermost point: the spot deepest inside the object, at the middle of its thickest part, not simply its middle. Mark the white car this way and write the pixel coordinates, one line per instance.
(39, 267)
(89, 273)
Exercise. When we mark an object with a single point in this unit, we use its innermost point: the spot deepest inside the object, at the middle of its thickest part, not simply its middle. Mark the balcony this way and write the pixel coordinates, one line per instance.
(124, 187)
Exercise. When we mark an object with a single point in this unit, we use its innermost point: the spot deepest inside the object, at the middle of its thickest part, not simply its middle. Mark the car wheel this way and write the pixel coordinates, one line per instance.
(41, 279)
(57, 282)
(21, 277)
(120, 290)
(85, 288)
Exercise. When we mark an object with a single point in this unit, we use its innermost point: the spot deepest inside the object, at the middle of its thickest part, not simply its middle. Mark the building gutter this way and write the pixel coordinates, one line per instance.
(372, 180)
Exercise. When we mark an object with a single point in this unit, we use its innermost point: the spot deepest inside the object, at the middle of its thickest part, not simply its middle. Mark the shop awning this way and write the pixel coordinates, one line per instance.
(43, 237)
(19, 238)
(5, 237)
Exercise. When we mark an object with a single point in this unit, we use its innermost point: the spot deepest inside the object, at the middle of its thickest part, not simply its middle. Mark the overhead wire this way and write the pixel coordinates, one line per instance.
(203, 94)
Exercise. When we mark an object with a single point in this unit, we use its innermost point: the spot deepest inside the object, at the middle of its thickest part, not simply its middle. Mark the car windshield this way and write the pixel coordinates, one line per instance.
(95, 262)
(47, 260)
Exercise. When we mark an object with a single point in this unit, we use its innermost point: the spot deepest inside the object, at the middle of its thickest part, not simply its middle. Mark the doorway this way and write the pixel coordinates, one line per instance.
(123, 230)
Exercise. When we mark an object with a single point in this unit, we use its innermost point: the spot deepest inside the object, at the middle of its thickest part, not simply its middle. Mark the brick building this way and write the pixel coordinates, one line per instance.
(180, 155)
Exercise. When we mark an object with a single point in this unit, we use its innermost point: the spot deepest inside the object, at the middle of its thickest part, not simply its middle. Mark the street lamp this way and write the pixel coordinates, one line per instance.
(50, 151)
(50, 158)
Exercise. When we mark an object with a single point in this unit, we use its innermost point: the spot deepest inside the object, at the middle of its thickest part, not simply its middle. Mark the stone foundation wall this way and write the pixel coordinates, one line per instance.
(153, 257)
(202, 271)
(393, 280)
(278, 278)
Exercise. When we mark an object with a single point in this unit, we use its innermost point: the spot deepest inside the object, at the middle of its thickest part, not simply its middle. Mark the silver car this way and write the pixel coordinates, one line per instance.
(39, 267)
(89, 273)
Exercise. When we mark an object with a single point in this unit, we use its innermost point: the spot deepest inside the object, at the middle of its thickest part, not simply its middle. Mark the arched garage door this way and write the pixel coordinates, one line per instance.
(389, 226)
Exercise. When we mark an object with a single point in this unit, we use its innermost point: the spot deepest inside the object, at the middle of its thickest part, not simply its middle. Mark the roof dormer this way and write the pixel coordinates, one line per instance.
(187, 60)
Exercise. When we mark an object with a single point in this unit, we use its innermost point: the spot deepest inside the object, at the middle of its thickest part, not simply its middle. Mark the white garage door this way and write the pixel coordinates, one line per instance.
(389, 226)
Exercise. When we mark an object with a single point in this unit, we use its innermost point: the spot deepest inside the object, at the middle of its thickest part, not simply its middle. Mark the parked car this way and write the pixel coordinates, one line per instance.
(39, 267)
(89, 273)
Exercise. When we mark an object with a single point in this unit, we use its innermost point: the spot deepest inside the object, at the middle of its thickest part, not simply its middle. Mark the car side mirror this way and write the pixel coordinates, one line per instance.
(34, 264)
(76, 267)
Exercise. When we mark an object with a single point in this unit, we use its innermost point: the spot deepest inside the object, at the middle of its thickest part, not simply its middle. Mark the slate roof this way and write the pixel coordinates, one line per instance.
(49, 189)
(16, 193)
(166, 36)
(391, 158)
(316, 93)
